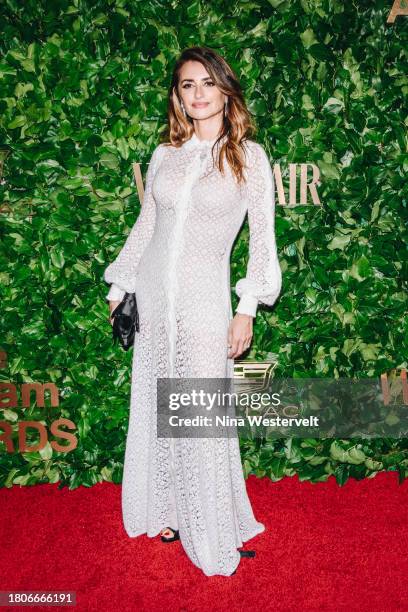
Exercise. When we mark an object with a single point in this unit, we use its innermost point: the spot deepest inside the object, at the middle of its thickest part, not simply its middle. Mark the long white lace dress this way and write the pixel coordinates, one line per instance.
(176, 259)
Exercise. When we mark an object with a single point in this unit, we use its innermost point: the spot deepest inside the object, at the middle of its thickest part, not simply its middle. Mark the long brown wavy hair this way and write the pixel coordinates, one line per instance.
(237, 124)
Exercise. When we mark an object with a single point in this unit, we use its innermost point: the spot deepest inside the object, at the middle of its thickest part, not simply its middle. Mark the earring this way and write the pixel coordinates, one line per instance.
(225, 109)
(184, 110)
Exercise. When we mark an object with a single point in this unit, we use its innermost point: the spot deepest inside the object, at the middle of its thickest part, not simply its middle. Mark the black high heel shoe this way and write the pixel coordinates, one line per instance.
(245, 553)
(176, 535)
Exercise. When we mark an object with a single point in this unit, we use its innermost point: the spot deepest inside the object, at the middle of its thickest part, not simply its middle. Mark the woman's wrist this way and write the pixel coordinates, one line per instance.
(244, 315)
(115, 293)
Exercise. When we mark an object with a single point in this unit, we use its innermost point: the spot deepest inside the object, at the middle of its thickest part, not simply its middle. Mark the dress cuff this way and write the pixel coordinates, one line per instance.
(115, 293)
(247, 305)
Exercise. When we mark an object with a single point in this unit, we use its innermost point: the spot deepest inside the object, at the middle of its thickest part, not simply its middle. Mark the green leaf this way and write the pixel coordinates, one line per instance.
(18, 121)
(109, 161)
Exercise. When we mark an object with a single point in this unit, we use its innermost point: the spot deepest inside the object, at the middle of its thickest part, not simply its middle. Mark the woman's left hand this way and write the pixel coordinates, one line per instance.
(112, 306)
(239, 334)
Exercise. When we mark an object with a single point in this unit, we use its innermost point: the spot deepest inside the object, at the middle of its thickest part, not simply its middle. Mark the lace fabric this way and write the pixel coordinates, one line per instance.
(176, 258)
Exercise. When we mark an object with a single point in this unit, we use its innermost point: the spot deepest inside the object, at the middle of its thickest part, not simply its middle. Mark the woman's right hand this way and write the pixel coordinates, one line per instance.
(112, 306)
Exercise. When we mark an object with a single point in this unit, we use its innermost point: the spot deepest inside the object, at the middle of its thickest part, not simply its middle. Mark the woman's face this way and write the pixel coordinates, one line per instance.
(201, 97)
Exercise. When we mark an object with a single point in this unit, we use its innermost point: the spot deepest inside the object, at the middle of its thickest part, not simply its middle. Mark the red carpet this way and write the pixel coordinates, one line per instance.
(325, 548)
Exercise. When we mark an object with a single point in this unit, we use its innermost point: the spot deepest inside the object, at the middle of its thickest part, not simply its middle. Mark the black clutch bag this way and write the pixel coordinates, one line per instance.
(125, 321)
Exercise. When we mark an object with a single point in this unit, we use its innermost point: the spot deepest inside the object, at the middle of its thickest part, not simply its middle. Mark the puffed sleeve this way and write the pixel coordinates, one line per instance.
(121, 273)
(263, 279)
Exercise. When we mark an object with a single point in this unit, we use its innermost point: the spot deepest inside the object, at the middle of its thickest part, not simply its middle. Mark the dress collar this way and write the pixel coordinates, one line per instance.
(195, 142)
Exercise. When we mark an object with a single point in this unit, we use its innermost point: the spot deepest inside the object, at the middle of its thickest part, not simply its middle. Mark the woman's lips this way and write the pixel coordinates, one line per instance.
(200, 104)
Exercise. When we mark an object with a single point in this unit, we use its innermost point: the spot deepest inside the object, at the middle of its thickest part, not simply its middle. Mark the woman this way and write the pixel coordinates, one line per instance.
(199, 186)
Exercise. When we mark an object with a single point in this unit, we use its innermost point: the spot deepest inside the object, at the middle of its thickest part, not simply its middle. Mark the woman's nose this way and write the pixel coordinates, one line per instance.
(199, 92)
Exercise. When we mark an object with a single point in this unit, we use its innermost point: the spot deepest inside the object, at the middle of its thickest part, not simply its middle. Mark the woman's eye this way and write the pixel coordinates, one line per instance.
(187, 85)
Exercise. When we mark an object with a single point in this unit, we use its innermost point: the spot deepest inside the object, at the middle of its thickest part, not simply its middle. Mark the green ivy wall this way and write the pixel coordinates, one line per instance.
(83, 95)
